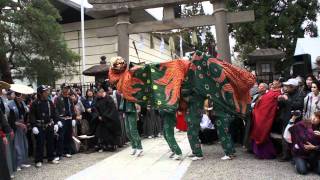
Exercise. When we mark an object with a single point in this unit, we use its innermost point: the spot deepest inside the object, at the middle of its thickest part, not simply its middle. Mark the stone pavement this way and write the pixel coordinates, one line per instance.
(155, 165)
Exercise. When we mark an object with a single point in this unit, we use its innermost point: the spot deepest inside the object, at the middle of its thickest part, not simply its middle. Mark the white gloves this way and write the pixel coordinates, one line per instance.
(35, 130)
(74, 123)
(60, 124)
(56, 128)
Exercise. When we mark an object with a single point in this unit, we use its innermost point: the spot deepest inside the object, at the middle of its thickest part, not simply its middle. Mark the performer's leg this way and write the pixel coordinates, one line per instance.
(135, 137)
(169, 124)
(127, 126)
(193, 117)
(223, 123)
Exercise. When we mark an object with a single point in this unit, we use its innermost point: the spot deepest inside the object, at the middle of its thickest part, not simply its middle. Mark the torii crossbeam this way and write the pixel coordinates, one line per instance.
(220, 18)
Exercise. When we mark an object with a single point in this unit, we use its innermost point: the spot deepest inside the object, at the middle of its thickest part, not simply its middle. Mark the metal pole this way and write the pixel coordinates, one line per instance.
(82, 42)
(134, 45)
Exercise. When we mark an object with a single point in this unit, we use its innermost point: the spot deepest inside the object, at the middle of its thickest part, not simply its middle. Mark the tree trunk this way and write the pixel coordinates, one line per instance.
(5, 72)
(5, 69)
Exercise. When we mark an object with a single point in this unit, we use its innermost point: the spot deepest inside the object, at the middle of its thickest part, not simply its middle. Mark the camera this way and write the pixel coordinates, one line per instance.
(296, 113)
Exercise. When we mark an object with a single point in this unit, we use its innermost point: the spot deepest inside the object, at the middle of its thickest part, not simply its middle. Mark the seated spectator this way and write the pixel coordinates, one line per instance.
(305, 143)
(207, 133)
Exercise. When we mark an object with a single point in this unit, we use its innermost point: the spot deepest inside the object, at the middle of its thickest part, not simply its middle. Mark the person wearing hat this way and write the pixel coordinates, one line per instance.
(44, 125)
(291, 101)
(66, 114)
(17, 120)
(106, 115)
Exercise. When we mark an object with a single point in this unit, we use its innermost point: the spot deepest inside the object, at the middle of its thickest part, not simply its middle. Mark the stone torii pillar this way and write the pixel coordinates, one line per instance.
(123, 21)
(222, 34)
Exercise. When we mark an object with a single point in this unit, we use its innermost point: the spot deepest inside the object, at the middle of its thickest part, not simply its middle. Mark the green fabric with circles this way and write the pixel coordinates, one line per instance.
(199, 85)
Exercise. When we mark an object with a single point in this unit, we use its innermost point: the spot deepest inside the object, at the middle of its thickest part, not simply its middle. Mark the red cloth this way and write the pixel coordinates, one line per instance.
(181, 122)
(263, 116)
(2, 134)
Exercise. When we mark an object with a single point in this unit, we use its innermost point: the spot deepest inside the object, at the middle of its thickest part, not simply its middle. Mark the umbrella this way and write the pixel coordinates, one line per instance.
(20, 88)
(4, 85)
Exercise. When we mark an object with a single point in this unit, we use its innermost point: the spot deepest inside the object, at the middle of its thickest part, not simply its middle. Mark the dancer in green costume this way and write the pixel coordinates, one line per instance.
(131, 127)
(204, 78)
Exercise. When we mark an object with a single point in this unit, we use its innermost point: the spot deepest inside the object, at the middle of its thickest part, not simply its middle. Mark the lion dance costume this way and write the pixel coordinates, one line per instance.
(163, 84)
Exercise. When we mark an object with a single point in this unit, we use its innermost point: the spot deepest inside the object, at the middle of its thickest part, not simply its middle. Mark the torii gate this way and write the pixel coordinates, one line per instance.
(220, 18)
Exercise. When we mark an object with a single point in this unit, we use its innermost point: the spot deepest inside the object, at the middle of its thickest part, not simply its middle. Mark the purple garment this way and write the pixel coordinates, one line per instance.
(301, 133)
(265, 150)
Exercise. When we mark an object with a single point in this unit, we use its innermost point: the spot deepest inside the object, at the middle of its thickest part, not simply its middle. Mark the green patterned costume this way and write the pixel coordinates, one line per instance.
(201, 78)
(209, 78)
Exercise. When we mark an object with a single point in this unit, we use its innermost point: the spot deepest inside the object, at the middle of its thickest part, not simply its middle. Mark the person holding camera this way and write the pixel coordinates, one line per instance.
(291, 101)
(304, 140)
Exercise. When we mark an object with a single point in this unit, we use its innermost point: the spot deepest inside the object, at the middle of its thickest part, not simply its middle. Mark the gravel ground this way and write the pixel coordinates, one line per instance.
(66, 168)
(244, 166)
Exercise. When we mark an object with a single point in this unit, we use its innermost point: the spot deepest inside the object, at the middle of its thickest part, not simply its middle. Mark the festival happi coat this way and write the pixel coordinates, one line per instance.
(160, 84)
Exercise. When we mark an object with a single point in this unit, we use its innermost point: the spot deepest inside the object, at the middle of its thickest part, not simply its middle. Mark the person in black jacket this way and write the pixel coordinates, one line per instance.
(43, 121)
(88, 103)
(65, 112)
(291, 101)
(106, 115)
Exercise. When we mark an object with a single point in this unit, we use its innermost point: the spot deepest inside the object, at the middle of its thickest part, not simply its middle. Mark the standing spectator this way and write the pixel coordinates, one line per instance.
(308, 83)
(291, 100)
(88, 103)
(4, 129)
(4, 102)
(108, 124)
(151, 123)
(263, 116)
(6, 137)
(262, 89)
(79, 110)
(117, 100)
(66, 114)
(43, 120)
(17, 120)
(9, 147)
(311, 101)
